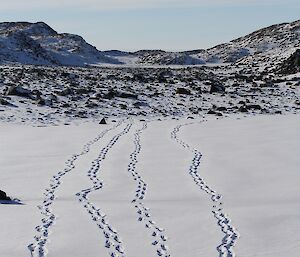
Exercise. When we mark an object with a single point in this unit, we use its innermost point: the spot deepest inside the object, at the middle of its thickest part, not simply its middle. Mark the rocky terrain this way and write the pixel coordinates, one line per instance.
(163, 130)
(47, 77)
(38, 44)
(49, 95)
(266, 46)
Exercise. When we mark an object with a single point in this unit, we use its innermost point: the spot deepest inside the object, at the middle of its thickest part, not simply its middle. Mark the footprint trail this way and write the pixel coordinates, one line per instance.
(225, 249)
(158, 234)
(112, 240)
(38, 248)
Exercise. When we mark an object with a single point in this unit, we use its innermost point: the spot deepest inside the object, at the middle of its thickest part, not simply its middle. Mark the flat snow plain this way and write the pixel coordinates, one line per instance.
(130, 192)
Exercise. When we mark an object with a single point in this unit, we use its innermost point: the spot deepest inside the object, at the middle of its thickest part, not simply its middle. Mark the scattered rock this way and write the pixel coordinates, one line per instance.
(103, 121)
(183, 91)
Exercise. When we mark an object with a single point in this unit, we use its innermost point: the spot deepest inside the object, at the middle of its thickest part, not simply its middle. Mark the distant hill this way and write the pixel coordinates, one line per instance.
(37, 43)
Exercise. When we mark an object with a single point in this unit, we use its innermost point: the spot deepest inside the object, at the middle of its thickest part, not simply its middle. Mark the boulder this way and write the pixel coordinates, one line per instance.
(253, 107)
(18, 91)
(183, 91)
(222, 109)
(6, 103)
(243, 109)
(216, 87)
(3, 196)
(292, 64)
(103, 121)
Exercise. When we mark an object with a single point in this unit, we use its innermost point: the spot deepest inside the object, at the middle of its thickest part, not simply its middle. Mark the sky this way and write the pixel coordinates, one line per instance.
(172, 25)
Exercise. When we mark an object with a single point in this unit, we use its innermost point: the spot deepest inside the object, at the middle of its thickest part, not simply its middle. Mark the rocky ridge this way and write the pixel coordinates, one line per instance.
(38, 44)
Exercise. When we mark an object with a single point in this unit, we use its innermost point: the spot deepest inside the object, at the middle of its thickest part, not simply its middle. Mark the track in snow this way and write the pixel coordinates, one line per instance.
(231, 235)
(38, 247)
(113, 241)
(158, 234)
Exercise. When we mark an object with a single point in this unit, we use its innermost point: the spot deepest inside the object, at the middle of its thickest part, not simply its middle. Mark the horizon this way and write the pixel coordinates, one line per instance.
(167, 25)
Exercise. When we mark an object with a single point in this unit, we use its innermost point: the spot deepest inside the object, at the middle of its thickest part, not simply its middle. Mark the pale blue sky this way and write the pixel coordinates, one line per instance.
(153, 24)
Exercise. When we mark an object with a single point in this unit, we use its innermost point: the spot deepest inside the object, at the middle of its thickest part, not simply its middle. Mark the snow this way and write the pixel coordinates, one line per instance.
(252, 162)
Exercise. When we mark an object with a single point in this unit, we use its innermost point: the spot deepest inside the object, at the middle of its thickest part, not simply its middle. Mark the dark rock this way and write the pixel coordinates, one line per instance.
(65, 92)
(41, 101)
(215, 113)
(140, 104)
(211, 112)
(103, 121)
(243, 109)
(82, 91)
(123, 106)
(183, 91)
(37, 93)
(18, 91)
(6, 103)
(90, 104)
(216, 87)
(253, 107)
(221, 108)
(140, 78)
(3, 196)
(292, 64)
(127, 95)
(65, 105)
(111, 94)
(265, 111)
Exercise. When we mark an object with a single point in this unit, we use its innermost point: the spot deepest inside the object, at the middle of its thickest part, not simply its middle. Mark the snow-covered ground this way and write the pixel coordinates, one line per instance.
(156, 188)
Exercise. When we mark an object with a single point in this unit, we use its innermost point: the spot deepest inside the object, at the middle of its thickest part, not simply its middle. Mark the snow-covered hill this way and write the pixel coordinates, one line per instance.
(265, 46)
(37, 43)
(271, 44)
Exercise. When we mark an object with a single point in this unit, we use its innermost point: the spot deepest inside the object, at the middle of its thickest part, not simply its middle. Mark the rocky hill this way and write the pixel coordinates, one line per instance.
(271, 43)
(37, 43)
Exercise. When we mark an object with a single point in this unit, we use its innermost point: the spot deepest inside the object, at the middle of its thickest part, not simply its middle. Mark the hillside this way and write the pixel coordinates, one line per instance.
(38, 44)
